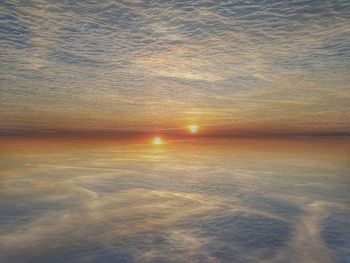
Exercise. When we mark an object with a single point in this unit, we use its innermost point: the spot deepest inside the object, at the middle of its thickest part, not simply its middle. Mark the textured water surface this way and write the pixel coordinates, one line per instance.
(185, 201)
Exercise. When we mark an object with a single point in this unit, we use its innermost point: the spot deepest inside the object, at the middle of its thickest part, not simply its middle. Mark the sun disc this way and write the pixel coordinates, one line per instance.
(157, 140)
(193, 128)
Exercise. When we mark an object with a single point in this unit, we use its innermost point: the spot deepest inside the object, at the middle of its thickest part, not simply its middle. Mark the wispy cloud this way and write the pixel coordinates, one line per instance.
(141, 64)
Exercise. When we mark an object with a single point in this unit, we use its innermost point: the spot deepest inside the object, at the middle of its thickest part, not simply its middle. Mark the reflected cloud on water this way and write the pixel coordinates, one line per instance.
(209, 201)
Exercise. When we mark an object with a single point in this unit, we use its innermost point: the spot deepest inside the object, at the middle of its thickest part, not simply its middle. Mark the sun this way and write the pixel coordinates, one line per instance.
(193, 128)
(157, 140)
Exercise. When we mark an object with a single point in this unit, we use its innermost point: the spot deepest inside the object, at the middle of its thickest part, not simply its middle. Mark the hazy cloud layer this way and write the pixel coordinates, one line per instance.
(132, 64)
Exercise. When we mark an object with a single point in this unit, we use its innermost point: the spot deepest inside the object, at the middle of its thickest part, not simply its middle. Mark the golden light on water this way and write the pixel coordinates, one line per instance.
(193, 128)
(157, 140)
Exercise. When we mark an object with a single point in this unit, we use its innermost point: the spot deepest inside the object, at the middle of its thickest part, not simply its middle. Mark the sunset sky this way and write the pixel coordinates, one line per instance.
(145, 66)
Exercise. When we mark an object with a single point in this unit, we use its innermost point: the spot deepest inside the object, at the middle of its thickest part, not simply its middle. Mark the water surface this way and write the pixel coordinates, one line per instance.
(206, 200)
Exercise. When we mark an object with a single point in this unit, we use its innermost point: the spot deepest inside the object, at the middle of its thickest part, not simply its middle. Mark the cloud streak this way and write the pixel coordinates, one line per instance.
(141, 64)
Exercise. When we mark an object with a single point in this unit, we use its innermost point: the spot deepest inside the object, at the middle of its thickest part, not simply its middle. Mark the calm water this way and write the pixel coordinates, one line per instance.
(94, 200)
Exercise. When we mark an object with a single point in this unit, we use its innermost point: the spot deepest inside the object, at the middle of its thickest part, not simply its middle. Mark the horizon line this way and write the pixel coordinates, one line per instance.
(171, 133)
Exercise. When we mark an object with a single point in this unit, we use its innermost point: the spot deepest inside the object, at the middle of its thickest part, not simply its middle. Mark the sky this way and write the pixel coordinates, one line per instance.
(143, 66)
